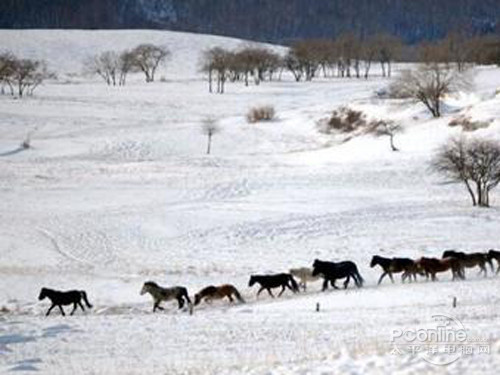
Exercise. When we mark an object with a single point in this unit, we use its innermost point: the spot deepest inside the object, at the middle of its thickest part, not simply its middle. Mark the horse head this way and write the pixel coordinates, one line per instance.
(197, 299)
(374, 261)
(43, 294)
(147, 287)
(252, 280)
(448, 253)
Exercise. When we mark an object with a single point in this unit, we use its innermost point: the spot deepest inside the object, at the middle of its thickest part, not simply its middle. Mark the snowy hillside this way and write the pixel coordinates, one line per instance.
(117, 190)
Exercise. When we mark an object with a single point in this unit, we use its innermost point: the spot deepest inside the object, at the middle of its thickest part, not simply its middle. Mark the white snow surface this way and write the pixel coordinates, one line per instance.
(118, 190)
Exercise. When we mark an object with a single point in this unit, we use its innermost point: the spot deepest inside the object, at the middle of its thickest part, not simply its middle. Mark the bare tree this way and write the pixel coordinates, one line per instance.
(386, 128)
(105, 65)
(7, 61)
(26, 75)
(389, 48)
(125, 66)
(428, 84)
(472, 162)
(217, 61)
(147, 58)
(369, 50)
(209, 128)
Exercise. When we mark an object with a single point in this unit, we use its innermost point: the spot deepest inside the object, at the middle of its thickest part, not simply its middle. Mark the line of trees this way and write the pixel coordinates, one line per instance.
(348, 56)
(21, 76)
(113, 67)
(249, 63)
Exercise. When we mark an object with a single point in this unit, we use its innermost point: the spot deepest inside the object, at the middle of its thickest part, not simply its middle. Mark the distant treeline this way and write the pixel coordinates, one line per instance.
(282, 21)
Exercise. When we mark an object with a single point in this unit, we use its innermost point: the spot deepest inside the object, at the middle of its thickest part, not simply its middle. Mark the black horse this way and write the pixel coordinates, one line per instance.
(395, 265)
(332, 271)
(268, 282)
(61, 299)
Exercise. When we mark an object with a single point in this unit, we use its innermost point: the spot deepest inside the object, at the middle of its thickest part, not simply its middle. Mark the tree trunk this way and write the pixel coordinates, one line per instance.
(209, 145)
(393, 147)
(471, 192)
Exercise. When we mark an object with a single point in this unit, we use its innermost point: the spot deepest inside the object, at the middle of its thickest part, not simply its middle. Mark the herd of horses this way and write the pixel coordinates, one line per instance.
(329, 272)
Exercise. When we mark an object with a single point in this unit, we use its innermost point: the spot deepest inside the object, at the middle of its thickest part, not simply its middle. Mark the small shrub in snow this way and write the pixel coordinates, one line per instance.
(345, 120)
(467, 124)
(262, 113)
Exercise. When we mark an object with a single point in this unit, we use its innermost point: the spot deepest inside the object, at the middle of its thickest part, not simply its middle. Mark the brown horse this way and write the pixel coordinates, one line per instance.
(217, 292)
(395, 265)
(431, 266)
(470, 260)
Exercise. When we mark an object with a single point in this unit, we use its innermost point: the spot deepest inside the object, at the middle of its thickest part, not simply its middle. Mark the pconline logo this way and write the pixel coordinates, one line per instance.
(441, 342)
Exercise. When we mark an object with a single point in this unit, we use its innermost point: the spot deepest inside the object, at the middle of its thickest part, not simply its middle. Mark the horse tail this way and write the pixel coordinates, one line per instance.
(238, 295)
(357, 277)
(84, 297)
(295, 286)
(184, 293)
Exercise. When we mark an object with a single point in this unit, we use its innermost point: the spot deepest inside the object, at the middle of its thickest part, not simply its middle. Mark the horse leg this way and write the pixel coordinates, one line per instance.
(271, 293)
(392, 279)
(381, 277)
(283, 289)
(62, 311)
(405, 276)
(74, 308)
(333, 284)
(231, 300)
(346, 282)
(260, 291)
(157, 306)
(180, 301)
(325, 285)
(81, 306)
(50, 309)
(483, 269)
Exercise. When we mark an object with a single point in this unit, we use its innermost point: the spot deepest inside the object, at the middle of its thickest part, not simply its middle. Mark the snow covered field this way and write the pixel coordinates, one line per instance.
(117, 190)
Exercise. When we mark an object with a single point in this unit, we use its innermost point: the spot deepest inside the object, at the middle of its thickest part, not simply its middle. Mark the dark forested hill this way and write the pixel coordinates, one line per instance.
(270, 20)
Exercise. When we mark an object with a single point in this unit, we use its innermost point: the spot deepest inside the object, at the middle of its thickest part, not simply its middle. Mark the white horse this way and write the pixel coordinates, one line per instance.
(160, 294)
(304, 274)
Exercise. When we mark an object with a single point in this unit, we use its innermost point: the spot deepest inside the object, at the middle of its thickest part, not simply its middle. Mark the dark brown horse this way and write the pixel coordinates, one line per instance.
(60, 299)
(431, 266)
(217, 292)
(268, 282)
(395, 265)
(470, 260)
(494, 254)
(331, 271)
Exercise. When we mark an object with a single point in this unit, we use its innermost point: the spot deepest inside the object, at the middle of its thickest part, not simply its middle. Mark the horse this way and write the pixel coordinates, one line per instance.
(431, 266)
(217, 292)
(61, 299)
(494, 254)
(304, 274)
(160, 294)
(268, 282)
(470, 260)
(332, 271)
(395, 265)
